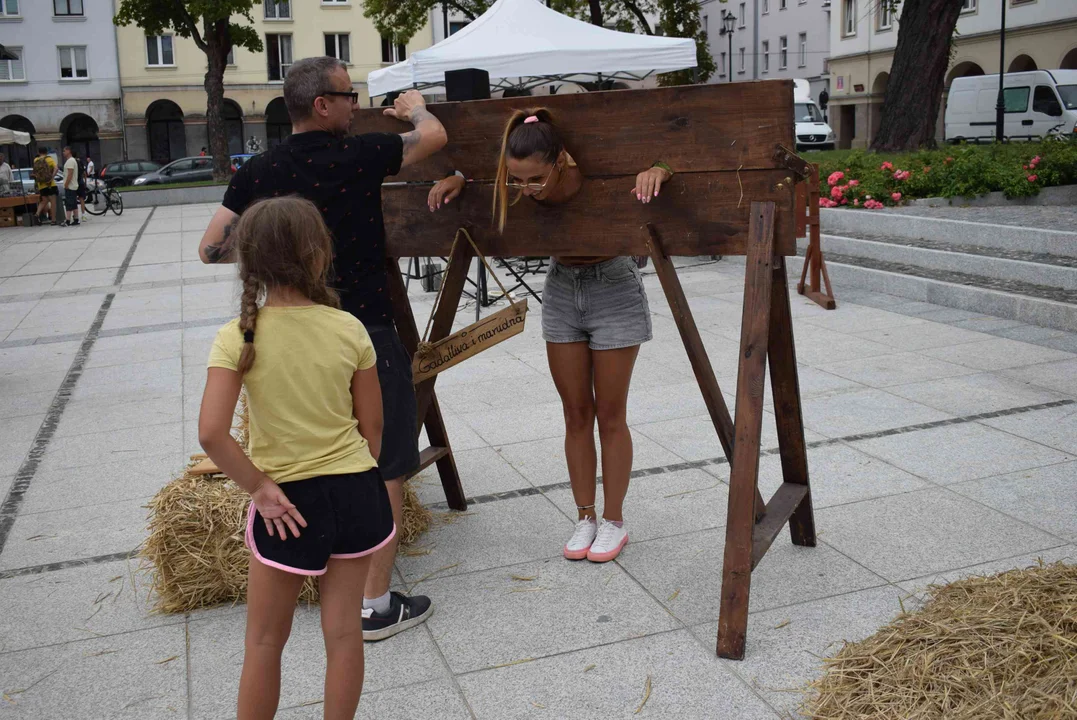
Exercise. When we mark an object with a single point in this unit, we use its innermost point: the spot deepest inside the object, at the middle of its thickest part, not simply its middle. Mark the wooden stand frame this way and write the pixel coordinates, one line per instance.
(699, 214)
(808, 223)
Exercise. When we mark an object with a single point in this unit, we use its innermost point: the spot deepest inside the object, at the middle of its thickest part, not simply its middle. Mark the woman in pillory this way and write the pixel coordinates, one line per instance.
(318, 503)
(594, 318)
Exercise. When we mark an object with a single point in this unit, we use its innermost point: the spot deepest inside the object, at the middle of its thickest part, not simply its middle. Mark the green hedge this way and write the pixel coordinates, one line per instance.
(1017, 169)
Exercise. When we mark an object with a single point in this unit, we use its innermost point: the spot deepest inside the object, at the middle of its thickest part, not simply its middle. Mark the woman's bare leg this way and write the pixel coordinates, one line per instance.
(341, 591)
(570, 365)
(613, 375)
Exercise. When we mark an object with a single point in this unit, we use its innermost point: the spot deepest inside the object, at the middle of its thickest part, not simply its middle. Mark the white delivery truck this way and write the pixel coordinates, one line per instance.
(812, 131)
(1038, 103)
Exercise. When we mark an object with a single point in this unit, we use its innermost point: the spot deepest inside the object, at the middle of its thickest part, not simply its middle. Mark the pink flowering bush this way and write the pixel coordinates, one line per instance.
(835, 178)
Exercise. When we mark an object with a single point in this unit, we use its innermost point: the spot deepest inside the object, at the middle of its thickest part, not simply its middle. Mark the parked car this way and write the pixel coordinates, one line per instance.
(239, 160)
(126, 171)
(188, 169)
(26, 175)
(813, 132)
(1036, 102)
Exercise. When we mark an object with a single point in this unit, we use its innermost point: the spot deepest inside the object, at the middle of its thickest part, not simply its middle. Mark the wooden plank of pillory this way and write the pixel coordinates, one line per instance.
(786, 499)
(785, 389)
(744, 474)
(618, 132)
(435, 424)
(699, 214)
(697, 351)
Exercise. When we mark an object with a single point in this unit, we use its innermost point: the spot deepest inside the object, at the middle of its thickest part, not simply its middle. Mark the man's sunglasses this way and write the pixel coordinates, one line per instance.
(353, 95)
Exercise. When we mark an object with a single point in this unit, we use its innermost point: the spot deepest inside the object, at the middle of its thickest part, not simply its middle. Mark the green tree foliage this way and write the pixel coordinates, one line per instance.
(210, 23)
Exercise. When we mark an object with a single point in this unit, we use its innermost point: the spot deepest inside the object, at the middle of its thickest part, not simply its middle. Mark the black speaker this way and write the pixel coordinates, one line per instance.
(467, 84)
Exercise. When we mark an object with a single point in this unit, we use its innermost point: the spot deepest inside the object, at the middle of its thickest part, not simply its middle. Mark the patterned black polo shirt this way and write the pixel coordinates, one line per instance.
(343, 177)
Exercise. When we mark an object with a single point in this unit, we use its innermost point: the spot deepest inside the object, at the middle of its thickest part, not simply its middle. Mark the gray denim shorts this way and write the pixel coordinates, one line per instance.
(603, 305)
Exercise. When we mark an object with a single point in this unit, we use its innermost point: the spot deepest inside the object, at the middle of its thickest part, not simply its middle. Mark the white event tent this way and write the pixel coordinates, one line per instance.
(526, 39)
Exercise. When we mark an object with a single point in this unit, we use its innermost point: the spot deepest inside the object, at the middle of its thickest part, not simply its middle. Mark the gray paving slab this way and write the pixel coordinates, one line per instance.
(157, 272)
(18, 434)
(922, 336)
(490, 535)
(882, 371)
(609, 682)
(1044, 497)
(137, 478)
(1054, 427)
(77, 603)
(785, 647)
(1060, 376)
(647, 405)
(135, 349)
(439, 699)
(103, 450)
(841, 474)
(18, 404)
(85, 279)
(955, 453)
(1030, 333)
(139, 674)
(906, 536)
(49, 537)
(822, 347)
(588, 604)
(815, 382)
(860, 319)
(216, 660)
(33, 284)
(1064, 553)
(18, 361)
(685, 573)
(662, 505)
(119, 384)
(974, 394)
(508, 424)
(869, 410)
(996, 354)
(87, 417)
(987, 324)
(11, 314)
(695, 438)
(30, 381)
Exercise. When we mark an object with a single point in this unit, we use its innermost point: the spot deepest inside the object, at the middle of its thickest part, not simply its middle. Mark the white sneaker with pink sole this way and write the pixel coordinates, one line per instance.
(582, 537)
(608, 542)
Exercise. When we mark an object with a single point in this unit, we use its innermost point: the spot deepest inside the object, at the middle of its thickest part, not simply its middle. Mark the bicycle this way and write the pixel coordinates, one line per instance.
(110, 195)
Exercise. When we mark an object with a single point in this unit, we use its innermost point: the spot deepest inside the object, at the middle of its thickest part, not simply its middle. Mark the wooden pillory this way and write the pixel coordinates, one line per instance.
(733, 194)
(808, 224)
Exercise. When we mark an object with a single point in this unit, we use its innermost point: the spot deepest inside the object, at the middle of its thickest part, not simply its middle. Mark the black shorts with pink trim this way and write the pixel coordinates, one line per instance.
(348, 516)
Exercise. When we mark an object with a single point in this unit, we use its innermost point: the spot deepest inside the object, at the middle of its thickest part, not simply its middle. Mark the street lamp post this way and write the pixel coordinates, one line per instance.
(1000, 103)
(729, 22)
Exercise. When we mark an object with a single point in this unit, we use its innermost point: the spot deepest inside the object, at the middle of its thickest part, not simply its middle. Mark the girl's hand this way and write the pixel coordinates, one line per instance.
(445, 191)
(649, 182)
(277, 512)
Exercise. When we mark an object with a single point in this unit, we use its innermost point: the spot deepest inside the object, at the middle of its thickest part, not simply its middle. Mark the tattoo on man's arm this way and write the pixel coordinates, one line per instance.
(219, 252)
(411, 141)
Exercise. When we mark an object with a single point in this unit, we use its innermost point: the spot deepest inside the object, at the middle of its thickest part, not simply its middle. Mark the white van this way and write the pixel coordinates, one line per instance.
(812, 131)
(1037, 102)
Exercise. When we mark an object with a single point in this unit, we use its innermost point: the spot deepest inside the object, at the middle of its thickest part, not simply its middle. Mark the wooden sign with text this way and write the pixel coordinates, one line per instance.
(469, 342)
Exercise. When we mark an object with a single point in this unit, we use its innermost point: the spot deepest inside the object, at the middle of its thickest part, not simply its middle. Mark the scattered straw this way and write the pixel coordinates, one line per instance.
(195, 555)
(590, 667)
(673, 597)
(646, 696)
(779, 626)
(514, 662)
(1002, 647)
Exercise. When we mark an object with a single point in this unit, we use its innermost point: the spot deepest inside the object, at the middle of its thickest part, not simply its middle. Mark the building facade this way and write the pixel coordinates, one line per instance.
(771, 39)
(163, 77)
(1040, 34)
(59, 79)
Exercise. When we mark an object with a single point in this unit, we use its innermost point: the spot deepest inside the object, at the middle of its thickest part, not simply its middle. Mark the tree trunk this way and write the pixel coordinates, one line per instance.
(918, 75)
(596, 12)
(218, 43)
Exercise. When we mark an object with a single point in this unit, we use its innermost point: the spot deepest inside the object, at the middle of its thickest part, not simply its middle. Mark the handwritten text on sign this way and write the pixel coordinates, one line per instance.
(472, 340)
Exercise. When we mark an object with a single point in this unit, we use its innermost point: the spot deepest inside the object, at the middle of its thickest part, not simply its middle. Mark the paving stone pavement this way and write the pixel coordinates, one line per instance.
(941, 443)
(1047, 217)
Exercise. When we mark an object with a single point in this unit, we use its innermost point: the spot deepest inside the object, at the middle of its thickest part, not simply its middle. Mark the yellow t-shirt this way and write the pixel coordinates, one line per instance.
(302, 422)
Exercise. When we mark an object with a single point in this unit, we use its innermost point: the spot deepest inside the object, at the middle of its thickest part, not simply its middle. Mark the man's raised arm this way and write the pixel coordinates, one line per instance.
(216, 245)
(429, 134)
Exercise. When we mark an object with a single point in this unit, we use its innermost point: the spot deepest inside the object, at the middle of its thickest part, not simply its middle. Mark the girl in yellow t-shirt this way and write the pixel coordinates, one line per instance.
(318, 503)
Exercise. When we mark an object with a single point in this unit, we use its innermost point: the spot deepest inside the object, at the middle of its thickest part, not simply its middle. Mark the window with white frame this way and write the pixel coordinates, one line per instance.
(335, 2)
(73, 63)
(393, 52)
(278, 9)
(766, 55)
(783, 52)
(848, 17)
(159, 51)
(885, 13)
(766, 6)
(338, 45)
(743, 15)
(741, 60)
(802, 56)
(968, 6)
(231, 58)
(721, 68)
(66, 8)
(12, 70)
(9, 8)
(278, 55)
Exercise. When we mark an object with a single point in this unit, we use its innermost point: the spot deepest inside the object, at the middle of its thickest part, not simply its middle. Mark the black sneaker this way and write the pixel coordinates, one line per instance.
(404, 612)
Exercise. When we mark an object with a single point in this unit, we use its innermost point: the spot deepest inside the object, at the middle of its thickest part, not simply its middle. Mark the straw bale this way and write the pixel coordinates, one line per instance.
(1002, 647)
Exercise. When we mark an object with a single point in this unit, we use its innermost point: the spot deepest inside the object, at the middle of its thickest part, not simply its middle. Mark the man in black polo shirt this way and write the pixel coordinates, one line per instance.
(342, 175)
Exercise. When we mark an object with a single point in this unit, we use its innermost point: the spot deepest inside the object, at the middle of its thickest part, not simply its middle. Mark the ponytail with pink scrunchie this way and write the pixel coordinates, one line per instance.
(531, 119)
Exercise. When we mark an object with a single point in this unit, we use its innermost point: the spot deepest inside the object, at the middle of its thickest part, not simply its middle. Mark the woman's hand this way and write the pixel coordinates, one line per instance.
(276, 510)
(444, 191)
(649, 182)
